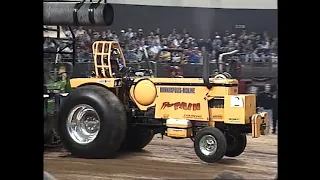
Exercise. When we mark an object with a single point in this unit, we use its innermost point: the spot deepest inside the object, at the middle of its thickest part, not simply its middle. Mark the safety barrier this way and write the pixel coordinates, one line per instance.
(250, 70)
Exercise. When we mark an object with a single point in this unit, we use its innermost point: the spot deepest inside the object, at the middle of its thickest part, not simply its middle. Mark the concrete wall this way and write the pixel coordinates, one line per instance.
(227, 4)
(200, 22)
(199, 17)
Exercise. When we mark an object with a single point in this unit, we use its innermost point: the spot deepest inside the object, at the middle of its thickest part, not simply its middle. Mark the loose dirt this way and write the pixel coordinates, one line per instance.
(166, 159)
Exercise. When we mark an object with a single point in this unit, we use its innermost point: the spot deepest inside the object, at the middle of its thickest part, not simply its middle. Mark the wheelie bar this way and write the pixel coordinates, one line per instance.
(259, 124)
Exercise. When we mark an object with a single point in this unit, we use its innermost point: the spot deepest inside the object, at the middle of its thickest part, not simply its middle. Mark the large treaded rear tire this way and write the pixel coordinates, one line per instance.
(112, 116)
(236, 149)
(136, 140)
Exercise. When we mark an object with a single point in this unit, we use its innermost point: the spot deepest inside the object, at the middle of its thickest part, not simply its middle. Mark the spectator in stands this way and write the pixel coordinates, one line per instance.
(68, 33)
(129, 33)
(253, 47)
(253, 90)
(193, 57)
(157, 32)
(105, 37)
(140, 34)
(185, 41)
(90, 32)
(80, 31)
(175, 42)
(248, 50)
(48, 45)
(115, 36)
(225, 38)
(156, 45)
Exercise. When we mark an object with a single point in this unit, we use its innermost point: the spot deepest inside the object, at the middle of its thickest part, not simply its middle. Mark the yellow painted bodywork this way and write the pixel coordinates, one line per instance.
(240, 115)
(179, 133)
(197, 98)
(107, 82)
(179, 128)
(257, 121)
(177, 102)
(145, 92)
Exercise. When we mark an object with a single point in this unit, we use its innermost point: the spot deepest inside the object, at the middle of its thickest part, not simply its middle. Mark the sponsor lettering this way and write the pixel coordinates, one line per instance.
(181, 105)
(104, 81)
(234, 119)
(217, 117)
(190, 116)
(177, 90)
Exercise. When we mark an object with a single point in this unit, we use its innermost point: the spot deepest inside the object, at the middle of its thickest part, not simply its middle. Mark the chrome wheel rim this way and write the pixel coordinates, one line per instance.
(83, 124)
(208, 145)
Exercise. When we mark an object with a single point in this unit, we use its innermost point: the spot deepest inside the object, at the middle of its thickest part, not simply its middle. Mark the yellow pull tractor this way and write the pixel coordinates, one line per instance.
(114, 110)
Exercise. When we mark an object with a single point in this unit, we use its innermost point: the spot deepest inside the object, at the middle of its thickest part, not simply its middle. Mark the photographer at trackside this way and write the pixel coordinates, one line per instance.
(265, 102)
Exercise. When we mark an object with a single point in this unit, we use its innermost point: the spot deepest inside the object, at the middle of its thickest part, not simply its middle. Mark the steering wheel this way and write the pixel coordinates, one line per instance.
(224, 75)
(220, 76)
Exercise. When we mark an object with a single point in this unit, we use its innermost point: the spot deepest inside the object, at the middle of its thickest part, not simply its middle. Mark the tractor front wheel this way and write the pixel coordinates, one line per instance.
(236, 143)
(92, 122)
(210, 144)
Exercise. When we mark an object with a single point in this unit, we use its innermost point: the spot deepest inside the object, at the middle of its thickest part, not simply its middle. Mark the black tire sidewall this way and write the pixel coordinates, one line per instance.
(221, 144)
(136, 141)
(239, 147)
(112, 122)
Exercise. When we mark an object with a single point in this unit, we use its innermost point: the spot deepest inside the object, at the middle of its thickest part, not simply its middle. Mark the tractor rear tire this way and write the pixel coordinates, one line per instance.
(112, 122)
(217, 141)
(136, 140)
(47, 132)
(238, 146)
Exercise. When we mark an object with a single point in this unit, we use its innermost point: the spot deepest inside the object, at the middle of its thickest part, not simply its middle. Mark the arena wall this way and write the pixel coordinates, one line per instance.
(200, 22)
(226, 4)
(201, 17)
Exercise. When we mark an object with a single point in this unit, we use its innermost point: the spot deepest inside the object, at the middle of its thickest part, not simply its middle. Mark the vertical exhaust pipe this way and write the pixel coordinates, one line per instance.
(220, 60)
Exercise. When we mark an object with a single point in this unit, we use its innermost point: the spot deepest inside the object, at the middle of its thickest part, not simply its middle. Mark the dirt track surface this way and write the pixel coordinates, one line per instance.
(166, 159)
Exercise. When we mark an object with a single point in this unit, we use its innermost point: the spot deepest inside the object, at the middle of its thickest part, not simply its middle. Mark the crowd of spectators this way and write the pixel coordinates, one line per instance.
(252, 46)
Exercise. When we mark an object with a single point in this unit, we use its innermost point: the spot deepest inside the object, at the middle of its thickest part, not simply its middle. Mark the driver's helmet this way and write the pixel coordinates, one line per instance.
(115, 58)
(114, 52)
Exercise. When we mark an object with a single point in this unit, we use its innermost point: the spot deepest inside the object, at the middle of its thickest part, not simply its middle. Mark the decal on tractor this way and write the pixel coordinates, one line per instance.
(234, 119)
(217, 117)
(104, 81)
(236, 101)
(181, 105)
(192, 116)
(177, 90)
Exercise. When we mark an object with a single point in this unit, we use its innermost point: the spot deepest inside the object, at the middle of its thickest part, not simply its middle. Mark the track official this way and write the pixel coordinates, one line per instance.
(265, 102)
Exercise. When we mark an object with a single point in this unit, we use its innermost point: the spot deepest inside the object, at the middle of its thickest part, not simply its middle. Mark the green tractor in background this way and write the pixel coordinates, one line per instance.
(57, 72)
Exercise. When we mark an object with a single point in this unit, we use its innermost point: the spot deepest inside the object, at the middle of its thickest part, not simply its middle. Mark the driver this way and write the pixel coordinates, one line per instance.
(114, 63)
(114, 60)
